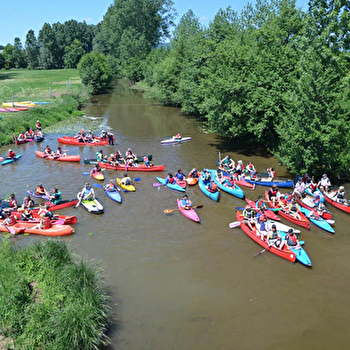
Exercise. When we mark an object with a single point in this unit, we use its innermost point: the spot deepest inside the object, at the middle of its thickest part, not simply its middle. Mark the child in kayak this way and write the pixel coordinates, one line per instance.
(126, 181)
(111, 187)
(87, 193)
(169, 179)
(186, 203)
(11, 154)
(212, 186)
(180, 175)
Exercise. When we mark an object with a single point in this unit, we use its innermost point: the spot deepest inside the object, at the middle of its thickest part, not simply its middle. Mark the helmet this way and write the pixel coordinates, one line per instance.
(10, 150)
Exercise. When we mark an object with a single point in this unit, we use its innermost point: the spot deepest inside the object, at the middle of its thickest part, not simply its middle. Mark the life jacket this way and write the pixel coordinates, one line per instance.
(58, 198)
(341, 195)
(38, 125)
(292, 240)
(316, 214)
(13, 203)
(171, 180)
(40, 190)
(47, 223)
(273, 235)
(213, 187)
(110, 188)
(273, 192)
(262, 218)
(12, 154)
(13, 220)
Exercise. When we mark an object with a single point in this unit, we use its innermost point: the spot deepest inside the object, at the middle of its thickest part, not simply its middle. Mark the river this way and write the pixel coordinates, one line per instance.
(180, 285)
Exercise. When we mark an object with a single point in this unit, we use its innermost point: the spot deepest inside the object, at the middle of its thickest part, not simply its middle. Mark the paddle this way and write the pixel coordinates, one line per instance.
(272, 209)
(264, 250)
(167, 211)
(234, 224)
(157, 184)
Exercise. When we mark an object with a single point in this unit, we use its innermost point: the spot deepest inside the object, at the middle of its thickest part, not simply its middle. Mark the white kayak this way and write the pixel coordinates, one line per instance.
(173, 140)
(280, 226)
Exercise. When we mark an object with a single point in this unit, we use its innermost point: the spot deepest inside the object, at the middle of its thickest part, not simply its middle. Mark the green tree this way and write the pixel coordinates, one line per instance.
(94, 72)
(32, 49)
(18, 54)
(8, 54)
(73, 54)
(48, 47)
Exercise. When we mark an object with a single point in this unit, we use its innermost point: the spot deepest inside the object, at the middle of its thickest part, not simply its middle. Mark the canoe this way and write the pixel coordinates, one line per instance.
(33, 194)
(330, 199)
(94, 160)
(173, 141)
(132, 168)
(129, 188)
(172, 186)
(280, 227)
(59, 159)
(38, 138)
(307, 203)
(21, 142)
(11, 160)
(76, 142)
(212, 195)
(235, 191)
(28, 227)
(285, 253)
(270, 214)
(323, 224)
(92, 206)
(191, 181)
(241, 182)
(267, 182)
(97, 176)
(303, 222)
(115, 196)
(190, 213)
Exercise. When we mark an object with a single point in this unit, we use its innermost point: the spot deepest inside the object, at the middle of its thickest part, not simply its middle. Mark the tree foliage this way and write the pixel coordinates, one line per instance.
(32, 49)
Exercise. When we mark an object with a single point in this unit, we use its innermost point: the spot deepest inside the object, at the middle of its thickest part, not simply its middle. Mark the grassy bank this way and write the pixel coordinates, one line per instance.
(51, 299)
(66, 96)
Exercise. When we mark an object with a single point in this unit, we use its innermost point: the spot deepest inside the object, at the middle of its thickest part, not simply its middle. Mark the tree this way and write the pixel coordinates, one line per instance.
(8, 54)
(94, 72)
(48, 47)
(32, 49)
(18, 54)
(73, 54)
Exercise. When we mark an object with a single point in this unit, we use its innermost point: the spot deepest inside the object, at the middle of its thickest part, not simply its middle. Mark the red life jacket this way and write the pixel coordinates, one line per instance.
(12, 154)
(213, 187)
(47, 223)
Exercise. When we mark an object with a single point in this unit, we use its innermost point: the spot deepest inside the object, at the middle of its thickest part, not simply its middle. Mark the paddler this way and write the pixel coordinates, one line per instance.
(59, 153)
(21, 136)
(206, 176)
(38, 125)
(12, 202)
(249, 216)
(27, 202)
(26, 215)
(11, 154)
(185, 202)
(230, 182)
(110, 138)
(261, 220)
(273, 193)
(260, 203)
(314, 214)
(177, 137)
(212, 186)
(169, 179)
(180, 175)
(228, 163)
(96, 169)
(271, 173)
(274, 238)
(111, 187)
(99, 156)
(40, 190)
(340, 195)
(291, 240)
(194, 173)
(9, 220)
(146, 160)
(87, 193)
(48, 151)
(126, 181)
(55, 196)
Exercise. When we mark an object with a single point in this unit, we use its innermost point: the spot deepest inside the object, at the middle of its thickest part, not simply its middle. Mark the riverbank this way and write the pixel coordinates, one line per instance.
(51, 298)
(61, 87)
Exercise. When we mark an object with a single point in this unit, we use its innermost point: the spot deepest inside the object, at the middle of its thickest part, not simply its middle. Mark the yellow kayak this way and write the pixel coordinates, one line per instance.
(19, 104)
(97, 176)
(129, 188)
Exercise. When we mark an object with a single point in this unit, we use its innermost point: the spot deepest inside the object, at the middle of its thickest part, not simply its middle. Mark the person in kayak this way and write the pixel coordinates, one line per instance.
(260, 203)
(294, 209)
(11, 154)
(282, 201)
(129, 154)
(273, 193)
(87, 193)
(228, 163)
(299, 188)
(250, 168)
(48, 151)
(206, 177)
(60, 153)
(12, 201)
(126, 181)
(274, 238)
(27, 202)
(271, 173)
(146, 161)
(212, 186)
(38, 125)
(312, 186)
(103, 134)
(340, 195)
(26, 215)
(230, 182)
(111, 187)
(169, 179)
(119, 157)
(324, 183)
(29, 133)
(111, 160)
(9, 219)
(177, 137)
(194, 173)
(239, 168)
(99, 156)
(40, 190)
(315, 214)
(180, 175)
(55, 196)
(186, 203)
(96, 169)
(261, 219)
(249, 216)
(219, 176)
(21, 136)
(291, 240)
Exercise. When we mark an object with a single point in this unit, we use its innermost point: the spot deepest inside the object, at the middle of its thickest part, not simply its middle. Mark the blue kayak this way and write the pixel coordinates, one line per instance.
(115, 195)
(235, 191)
(11, 160)
(322, 223)
(269, 183)
(212, 195)
(313, 194)
(301, 256)
(38, 138)
(172, 186)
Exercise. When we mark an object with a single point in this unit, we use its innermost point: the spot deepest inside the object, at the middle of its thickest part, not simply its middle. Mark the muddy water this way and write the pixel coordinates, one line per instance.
(180, 285)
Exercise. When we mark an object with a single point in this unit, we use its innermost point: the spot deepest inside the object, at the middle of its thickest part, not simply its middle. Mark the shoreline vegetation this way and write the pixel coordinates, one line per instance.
(52, 299)
(61, 87)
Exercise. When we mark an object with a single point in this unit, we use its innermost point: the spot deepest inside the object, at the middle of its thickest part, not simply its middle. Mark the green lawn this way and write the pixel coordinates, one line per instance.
(35, 84)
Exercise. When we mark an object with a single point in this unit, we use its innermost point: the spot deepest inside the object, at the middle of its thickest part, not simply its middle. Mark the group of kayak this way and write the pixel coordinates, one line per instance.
(88, 138)
(29, 135)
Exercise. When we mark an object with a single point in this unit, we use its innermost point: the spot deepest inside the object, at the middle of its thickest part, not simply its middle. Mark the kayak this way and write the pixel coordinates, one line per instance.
(63, 204)
(270, 214)
(60, 159)
(14, 109)
(34, 194)
(38, 138)
(241, 182)
(269, 182)
(97, 176)
(303, 222)
(308, 203)
(25, 104)
(11, 160)
(181, 183)
(313, 194)
(189, 213)
(21, 142)
(280, 226)
(330, 196)
(191, 181)
(115, 196)
(174, 186)
(29, 227)
(92, 206)
(76, 142)
(322, 223)
(61, 219)
(129, 188)
(235, 191)
(122, 167)
(173, 141)
(212, 195)
(285, 253)
(94, 160)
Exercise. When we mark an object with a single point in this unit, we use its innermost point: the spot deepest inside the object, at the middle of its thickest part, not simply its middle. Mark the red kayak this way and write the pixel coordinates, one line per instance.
(303, 222)
(21, 142)
(285, 253)
(270, 214)
(122, 167)
(59, 159)
(309, 204)
(74, 141)
(330, 196)
(62, 219)
(241, 182)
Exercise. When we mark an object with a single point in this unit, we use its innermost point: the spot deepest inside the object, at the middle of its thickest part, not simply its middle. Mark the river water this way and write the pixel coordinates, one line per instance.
(180, 285)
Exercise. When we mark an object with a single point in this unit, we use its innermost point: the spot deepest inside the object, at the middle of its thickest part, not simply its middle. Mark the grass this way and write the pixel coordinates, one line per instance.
(51, 298)
(34, 85)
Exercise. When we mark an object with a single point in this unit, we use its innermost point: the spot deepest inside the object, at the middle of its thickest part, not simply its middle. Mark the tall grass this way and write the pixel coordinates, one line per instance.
(53, 300)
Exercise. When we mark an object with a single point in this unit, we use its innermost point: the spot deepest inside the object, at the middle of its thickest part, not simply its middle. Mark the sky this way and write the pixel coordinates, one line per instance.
(22, 15)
